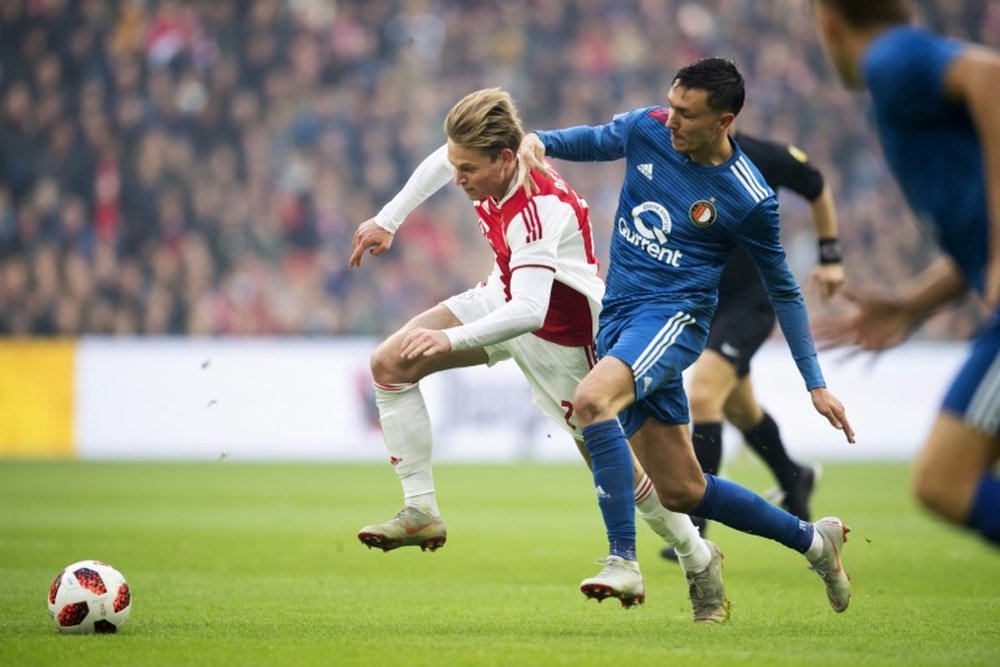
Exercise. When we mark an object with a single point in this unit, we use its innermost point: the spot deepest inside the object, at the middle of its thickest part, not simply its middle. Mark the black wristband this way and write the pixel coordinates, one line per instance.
(829, 251)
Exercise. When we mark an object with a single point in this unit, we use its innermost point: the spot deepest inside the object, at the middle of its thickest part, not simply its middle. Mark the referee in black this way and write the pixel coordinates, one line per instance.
(720, 385)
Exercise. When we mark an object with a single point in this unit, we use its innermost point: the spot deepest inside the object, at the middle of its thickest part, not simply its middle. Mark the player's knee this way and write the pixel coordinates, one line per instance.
(938, 493)
(929, 493)
(681, 495)
(385, 366)
(590, 405)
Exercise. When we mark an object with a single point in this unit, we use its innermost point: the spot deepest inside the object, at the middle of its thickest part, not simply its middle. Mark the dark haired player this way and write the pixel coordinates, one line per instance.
(720, 386)
(690, 196)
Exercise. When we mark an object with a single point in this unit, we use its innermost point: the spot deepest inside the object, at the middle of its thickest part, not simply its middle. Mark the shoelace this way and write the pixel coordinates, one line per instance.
(609, 566)
(697, 585)
(410, 513)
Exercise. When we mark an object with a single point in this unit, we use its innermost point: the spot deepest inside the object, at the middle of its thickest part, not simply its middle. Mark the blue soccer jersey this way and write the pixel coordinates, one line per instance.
(933, 150)
(676, 225)
(930, 143)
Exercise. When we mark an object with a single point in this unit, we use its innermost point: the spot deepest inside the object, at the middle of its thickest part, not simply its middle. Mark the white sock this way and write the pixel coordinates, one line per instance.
(406, 429)
(675, 529)
(815, 549)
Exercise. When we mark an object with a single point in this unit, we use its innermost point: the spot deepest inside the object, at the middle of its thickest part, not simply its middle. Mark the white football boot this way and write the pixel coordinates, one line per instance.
(410, 527)
(828, 566)
(619, 578)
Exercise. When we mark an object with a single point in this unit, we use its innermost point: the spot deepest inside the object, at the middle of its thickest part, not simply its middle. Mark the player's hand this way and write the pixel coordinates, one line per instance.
(830, 407)
(991, 293)
(877, 324)
(369, 237)
(530, 155)
(828, 278)
(424, 343)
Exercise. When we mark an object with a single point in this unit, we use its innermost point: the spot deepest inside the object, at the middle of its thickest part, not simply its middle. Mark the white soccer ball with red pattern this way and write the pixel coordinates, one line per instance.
(89, 596)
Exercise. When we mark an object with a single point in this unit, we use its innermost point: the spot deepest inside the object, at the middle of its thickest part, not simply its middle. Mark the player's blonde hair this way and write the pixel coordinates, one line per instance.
(485, 120)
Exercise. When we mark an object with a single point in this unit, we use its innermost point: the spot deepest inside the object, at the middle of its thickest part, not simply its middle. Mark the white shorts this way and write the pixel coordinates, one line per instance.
(553, 371)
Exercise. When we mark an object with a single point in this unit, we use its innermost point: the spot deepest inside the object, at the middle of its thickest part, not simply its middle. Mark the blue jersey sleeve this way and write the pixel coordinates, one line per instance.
(759, 234)
(907, 67)
(591, 143)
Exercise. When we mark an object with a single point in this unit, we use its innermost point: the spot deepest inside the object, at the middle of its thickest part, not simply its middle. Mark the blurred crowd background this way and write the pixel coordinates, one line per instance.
(199, 166)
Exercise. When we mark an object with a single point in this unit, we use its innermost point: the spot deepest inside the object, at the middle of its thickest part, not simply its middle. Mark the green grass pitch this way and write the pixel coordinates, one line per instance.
(258, 564)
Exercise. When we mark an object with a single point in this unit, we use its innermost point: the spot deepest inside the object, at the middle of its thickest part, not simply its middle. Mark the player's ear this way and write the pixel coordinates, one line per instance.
(726, 119)
(507, 157)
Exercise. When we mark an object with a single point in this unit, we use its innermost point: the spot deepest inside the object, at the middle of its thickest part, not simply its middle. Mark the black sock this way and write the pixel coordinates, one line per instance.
(707, 438)
(765, 439)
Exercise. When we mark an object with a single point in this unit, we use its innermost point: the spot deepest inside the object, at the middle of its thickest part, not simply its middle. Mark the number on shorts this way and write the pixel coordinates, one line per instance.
(569, 413)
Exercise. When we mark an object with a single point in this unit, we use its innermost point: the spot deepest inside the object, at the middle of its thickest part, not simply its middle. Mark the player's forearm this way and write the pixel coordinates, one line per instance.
(790, 309)
(531, 288)
(794, 322)
(824, 215)
(430, 176)
(937, 285)
(582, 143)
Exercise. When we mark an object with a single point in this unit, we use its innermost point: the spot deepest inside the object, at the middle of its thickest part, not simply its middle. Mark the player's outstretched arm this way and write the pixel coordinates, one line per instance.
(881, 322)
(375, 235)
(972, 78)
(876, 324)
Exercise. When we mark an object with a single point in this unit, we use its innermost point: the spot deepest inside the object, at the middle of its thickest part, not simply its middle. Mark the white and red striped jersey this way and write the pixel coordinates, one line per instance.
(550, 230)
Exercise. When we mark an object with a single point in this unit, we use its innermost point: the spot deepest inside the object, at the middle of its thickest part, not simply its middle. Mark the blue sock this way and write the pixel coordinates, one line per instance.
(742, 509)
(985, 514)
(611, 461)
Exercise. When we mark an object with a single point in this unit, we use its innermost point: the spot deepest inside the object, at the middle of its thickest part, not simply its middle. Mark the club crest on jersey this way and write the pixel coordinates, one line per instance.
(702, 212)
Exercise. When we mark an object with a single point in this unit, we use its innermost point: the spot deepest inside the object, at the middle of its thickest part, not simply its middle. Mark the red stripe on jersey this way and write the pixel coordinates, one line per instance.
(534, 266)
(535, 228)
(661, 114)
(530, 217)
(569, 320)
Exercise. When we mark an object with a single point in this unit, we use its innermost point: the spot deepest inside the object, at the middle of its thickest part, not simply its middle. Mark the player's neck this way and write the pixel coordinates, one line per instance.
(714, 153)
(506, 183)
(856, 46)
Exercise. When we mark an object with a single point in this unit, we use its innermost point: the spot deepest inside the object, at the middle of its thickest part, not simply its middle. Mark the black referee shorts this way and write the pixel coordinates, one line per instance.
(744, 318)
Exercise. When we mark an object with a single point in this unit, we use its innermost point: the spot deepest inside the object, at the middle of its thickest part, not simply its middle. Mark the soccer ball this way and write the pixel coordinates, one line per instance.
(89, 596)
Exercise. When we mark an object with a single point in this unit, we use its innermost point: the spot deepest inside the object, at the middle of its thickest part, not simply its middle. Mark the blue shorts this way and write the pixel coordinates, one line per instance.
(658, 342)
(974, 394)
